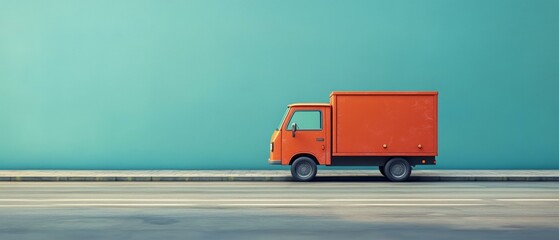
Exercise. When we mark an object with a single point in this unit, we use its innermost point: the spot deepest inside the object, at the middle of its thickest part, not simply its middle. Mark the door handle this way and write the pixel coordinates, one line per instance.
(320, 139)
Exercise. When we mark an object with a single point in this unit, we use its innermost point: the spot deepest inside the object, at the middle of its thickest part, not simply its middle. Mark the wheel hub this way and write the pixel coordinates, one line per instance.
(398, 170)
(304, 169)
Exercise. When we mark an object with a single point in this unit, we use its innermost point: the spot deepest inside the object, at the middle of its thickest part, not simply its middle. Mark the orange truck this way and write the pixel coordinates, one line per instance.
(393, 130)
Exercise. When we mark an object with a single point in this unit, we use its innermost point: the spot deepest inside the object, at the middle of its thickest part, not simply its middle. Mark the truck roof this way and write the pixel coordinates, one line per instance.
(385, 93)
(309, 105)
(363, 93)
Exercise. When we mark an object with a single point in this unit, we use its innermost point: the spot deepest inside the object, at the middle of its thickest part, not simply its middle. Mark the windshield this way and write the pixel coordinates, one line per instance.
(283, 119)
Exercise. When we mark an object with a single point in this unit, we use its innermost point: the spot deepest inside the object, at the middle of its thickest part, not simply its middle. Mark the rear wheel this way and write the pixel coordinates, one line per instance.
(397, 169)
(303, 169)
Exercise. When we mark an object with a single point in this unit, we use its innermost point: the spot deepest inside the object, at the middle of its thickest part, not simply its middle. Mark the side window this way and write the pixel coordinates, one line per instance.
(306, 120)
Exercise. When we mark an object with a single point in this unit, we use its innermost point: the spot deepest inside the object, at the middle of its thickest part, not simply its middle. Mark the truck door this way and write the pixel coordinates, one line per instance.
(310, 136)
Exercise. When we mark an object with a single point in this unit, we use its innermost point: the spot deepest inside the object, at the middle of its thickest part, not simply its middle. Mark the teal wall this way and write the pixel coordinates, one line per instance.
(131, 84)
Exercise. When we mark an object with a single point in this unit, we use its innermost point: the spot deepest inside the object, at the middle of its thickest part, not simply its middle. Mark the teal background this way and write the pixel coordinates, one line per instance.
(133, 84)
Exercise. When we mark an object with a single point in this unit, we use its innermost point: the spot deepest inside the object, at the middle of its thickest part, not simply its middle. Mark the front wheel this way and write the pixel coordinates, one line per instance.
(397, 169)
(303, 169)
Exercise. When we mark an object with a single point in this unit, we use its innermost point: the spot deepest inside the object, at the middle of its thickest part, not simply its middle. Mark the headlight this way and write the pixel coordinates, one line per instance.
(271, 147)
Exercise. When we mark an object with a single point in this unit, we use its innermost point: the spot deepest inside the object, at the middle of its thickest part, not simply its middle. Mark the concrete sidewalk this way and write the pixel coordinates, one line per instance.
(271, 175)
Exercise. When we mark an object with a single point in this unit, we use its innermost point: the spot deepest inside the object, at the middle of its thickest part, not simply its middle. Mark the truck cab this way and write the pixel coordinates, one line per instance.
(303, 131)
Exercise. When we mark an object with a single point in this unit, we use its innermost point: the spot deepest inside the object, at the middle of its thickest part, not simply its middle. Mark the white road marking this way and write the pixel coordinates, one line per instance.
(154, 200)
(243, 205)
(125, 205)
(26, 205)
(416, 204)
(269, 204)
(243, 200)
(404, 199)
(260, 202)
(528, 199)
(101, 205)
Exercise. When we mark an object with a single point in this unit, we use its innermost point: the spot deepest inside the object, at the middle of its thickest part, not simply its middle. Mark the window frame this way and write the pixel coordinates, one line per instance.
(291, 117)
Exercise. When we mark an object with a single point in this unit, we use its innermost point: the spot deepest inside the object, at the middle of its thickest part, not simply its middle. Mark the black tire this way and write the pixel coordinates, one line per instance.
(397, 169)
(303, 169)
(381, 169)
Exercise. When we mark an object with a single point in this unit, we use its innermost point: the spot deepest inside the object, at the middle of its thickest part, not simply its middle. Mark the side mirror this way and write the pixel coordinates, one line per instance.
(293, 129)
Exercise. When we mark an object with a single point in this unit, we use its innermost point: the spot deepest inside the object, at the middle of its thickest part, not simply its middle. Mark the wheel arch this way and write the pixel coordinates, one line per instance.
(407, 158)
(303, 155)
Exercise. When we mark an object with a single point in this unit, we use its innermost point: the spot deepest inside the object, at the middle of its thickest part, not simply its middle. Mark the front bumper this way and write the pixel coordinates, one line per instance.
(274, 162)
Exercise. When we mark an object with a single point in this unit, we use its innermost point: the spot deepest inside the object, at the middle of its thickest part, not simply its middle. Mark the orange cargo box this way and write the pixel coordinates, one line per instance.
(384, 123)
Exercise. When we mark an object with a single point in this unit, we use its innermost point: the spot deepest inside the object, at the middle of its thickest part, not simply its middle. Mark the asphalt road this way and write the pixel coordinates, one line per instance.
(279, 210)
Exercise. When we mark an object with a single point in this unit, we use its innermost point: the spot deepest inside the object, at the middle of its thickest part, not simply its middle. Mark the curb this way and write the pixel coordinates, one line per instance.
(273, 179)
